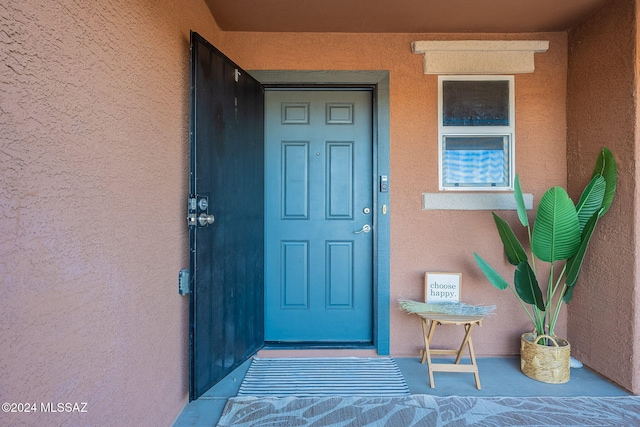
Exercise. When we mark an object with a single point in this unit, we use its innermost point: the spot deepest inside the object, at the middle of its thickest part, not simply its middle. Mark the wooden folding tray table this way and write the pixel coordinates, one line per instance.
(435, 319)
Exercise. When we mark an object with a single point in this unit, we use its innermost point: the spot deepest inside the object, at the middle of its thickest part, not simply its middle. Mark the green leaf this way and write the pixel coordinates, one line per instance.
(527, 286)
(591, 200)
(556, 230)
(607, 167)
(494, 277)
(514, 250)
(568, 294)
(522, 211)
(575, 262)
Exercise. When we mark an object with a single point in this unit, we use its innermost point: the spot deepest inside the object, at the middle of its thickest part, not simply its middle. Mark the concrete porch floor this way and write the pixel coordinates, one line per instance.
(498, 377)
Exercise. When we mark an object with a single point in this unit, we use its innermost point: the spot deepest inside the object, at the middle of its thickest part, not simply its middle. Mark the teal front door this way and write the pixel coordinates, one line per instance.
(319, 221)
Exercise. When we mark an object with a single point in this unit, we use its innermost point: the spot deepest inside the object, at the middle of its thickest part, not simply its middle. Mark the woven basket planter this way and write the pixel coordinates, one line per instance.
(549, 364)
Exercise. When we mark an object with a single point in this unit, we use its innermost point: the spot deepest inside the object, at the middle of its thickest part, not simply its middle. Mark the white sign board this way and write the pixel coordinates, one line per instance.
(442, 287)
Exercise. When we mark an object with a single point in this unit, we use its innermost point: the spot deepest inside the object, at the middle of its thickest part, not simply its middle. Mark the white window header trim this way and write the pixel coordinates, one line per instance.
(479, 56)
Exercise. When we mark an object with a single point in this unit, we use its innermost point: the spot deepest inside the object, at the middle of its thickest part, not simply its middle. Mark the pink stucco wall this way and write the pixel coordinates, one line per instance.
(635, 373)
(94, 168)
(94, 107)
(604, 317)
(436, 240)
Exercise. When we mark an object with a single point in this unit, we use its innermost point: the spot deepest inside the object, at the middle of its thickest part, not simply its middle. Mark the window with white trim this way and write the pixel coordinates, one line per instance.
(476, 123)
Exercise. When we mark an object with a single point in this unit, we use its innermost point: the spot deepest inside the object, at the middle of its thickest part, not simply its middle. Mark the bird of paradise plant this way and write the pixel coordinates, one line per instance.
(560, 236)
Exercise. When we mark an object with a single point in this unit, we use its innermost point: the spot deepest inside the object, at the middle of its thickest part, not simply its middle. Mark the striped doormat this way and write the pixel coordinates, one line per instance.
(343, 376)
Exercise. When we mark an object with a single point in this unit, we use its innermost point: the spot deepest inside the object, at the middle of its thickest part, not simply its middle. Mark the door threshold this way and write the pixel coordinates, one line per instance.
(326, 350)
(279, 345)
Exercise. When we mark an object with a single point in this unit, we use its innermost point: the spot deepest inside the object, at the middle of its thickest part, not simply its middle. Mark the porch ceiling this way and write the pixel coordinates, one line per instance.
(401, 16)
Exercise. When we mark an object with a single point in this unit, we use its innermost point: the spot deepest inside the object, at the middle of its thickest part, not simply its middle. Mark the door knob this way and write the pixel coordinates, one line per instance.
(205, 219)
(365, 229)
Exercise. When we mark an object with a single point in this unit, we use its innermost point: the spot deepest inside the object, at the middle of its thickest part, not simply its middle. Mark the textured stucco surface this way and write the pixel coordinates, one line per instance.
(94, 104)
(604, 315)
(94, 162)
(436, 240)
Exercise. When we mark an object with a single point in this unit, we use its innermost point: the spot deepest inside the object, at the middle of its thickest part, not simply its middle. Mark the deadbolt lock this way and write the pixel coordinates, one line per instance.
(198, 211)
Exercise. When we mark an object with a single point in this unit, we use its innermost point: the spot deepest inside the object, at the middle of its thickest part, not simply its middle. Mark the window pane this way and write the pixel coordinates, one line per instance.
(476, 161)
(475, 103)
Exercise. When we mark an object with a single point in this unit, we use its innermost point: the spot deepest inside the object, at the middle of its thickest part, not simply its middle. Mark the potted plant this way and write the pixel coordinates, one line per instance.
(560, 237)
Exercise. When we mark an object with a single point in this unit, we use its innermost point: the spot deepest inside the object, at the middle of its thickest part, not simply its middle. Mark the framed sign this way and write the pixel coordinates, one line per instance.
(442, 287)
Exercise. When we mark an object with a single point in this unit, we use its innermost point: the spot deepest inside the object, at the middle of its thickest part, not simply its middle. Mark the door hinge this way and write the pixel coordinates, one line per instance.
(183, 282)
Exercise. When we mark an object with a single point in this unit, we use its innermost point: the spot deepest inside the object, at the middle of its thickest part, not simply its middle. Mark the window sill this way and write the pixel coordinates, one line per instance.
(473, 201)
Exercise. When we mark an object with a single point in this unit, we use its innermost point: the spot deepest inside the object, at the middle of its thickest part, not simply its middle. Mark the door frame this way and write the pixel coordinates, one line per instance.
(379, 81)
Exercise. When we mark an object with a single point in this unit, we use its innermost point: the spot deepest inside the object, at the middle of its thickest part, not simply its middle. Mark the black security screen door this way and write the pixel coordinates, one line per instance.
(226, 217)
